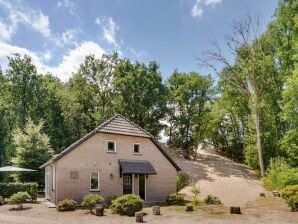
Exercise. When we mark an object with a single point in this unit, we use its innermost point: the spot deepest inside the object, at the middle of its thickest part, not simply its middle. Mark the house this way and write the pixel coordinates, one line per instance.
(116, 158)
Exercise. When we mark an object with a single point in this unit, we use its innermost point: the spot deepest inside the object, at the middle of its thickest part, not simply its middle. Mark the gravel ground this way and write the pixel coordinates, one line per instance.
(235, 184)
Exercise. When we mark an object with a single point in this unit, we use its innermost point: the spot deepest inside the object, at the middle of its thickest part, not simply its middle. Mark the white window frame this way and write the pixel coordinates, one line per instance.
(53, 177)
(115, 146)
(97, 179)
(133, 149)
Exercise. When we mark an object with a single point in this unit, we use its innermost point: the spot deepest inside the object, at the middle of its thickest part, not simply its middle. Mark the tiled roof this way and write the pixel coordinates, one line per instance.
(136, 167)
(115, 125)
(120, 125)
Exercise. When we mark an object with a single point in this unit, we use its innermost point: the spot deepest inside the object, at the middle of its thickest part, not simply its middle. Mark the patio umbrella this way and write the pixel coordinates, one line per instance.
(14, 169)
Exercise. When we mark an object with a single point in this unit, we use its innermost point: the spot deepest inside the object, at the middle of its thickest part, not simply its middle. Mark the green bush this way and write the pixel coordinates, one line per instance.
(212, 200)
(127, 205)
(290, 194)
(66, 205)
(280, 174)
(110, 199)
(182, 180)
(8, 189)
(196, 191)
(1, 201)
(175, 199)
(19, 198)
(90, 200)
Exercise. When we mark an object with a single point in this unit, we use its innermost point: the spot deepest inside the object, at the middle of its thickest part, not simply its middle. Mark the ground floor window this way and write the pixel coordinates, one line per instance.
(94, 181)
(127, 184)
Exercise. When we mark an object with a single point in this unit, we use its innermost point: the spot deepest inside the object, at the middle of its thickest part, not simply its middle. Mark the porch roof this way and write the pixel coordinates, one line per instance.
(136, 167)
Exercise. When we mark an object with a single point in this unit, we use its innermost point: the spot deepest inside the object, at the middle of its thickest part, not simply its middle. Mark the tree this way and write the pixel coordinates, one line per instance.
(32, 150)
(251, 69)
(141, 95)
(188, 97)
(99, 75)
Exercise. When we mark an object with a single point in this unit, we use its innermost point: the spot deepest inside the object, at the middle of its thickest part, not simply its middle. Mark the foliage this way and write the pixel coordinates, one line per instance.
(32, 150)
(281, 174)
(127, 205)
(182, 180)
(196, 191)
(290, 194)
(19, 198)
(8, 189)
(141, 95)
(188, 98)
(66, 205)
(90, 200)
(175, 199)
(212, 200)
(2, 202)
(110, 199)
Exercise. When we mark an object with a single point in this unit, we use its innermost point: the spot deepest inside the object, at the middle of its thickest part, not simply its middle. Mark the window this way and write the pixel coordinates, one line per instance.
(136, 148)
(111, 146)
(94, 181)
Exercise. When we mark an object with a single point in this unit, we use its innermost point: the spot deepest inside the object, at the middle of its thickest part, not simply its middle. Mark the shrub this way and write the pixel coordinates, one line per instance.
(1, 201)
(182, 180)
(127, 205)
(90, 200)
(290, 194)
(66, 205)
(19, 198)
(175, 199)
(212, 200)
(196, 191)
(8, 189)
(110, 199)
(281, 174)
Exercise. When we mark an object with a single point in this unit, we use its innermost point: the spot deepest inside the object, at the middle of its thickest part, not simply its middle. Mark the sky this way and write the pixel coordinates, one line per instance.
(59, 34)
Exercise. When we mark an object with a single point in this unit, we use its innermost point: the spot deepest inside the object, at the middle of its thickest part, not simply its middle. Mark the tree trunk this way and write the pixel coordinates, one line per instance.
(258, 132)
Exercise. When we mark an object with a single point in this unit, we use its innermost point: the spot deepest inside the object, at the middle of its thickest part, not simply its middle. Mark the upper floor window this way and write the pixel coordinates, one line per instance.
(136, 148)
(111, 146)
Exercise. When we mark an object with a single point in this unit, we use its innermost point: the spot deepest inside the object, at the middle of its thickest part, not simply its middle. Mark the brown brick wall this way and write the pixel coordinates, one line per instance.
(92, 156)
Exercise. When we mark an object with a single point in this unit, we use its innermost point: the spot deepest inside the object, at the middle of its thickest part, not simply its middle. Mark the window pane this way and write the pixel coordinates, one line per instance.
(111, 146)
(136, 148)
(94, 181)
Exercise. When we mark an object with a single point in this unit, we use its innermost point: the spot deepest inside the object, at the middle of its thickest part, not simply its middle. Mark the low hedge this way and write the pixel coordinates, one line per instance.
(66, 205)
(175, 199)
(212, 200)
(8, 189)
(127, 205)
(290, 194)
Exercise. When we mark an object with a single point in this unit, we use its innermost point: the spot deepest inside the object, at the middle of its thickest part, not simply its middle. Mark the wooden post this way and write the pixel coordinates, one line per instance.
(99, 209)
(262, 194)
(276, 193)
(235, 210)
(156, 210)
(139, 216)
(189, 208)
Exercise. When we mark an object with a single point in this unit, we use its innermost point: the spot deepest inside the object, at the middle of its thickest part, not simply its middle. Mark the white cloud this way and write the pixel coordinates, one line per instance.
(23, 14)
(6, 31)
(69, 63)
(68, 37)
(68, 5)
(212, 2)
(198, 8)
(109, 29)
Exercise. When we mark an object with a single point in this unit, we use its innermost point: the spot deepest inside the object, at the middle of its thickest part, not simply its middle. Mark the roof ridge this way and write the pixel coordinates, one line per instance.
(137, 126)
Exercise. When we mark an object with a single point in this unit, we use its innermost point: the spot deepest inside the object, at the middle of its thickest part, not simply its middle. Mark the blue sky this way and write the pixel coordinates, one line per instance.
(58, 34)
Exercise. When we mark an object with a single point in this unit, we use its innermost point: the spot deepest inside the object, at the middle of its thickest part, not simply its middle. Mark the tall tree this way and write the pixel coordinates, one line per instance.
(251, 69)
(188, 97)
(99, 74)
(32, 150)
(141, 95)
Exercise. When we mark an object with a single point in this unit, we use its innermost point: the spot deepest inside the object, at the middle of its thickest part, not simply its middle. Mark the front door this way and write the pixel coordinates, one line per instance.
(127, 184)
(142, 189)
